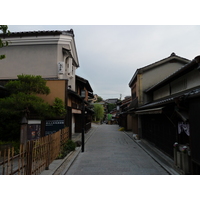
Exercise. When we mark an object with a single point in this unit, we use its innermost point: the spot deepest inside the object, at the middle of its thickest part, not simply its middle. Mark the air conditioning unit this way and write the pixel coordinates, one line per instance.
(61, 67)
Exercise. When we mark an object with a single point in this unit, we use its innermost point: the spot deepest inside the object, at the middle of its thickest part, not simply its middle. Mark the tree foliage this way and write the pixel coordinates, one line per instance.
(98, 112)
(99, 99)
(28, 84)
(4, 30)
(23, 100)
(111, 106)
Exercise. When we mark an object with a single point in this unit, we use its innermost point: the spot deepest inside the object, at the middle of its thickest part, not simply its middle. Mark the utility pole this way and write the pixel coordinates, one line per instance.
(83, 121)
(83, 128)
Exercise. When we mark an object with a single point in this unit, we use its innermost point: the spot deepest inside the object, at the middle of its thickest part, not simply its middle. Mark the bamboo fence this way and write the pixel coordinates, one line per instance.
(34, 156)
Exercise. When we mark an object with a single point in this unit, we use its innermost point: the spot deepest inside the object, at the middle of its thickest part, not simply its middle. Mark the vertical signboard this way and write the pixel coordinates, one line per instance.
(33, 129)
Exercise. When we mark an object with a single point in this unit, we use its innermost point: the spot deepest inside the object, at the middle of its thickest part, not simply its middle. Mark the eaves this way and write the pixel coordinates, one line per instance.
(73, 93)
(67, 51)
(191, 93)
(85, 82)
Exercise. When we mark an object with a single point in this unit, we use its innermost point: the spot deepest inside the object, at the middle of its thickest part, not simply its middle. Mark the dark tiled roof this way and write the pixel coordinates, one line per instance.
(37, 33)
(112, 101)
(158, 103)
(186, 94)
(85, 82)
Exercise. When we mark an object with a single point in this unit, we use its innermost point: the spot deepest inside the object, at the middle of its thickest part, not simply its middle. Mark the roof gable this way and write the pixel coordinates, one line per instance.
(185, 69)
(172, 58)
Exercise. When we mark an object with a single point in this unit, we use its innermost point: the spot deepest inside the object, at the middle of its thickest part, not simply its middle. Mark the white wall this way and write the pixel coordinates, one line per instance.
(29, 59)
(157, 74)
(37, 56)
(186, 82)
(162, 92)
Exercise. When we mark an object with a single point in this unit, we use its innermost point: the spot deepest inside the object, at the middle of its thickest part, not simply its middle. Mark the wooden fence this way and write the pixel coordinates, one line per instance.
(34, 156)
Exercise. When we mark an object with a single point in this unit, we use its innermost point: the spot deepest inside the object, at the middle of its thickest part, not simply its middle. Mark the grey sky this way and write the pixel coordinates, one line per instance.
(110, 54)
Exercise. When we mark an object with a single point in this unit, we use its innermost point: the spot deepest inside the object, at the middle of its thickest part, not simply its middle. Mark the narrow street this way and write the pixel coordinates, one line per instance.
(112, 152)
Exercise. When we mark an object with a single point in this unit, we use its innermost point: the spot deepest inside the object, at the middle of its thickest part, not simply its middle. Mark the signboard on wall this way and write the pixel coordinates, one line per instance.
(61, 68)
(53, 126)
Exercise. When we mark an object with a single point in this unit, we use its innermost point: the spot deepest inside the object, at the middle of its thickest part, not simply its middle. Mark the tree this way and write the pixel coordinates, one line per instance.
(28, 84)
(4, 29)
(111, 106)
(99, 99)
(98, 112)
(23, 100)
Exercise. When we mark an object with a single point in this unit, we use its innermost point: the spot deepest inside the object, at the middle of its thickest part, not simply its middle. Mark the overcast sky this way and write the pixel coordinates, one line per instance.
(109, 55)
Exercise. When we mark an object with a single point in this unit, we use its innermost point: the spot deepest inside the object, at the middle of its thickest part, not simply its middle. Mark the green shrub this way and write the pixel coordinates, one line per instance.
(11, 144)
(67, 148)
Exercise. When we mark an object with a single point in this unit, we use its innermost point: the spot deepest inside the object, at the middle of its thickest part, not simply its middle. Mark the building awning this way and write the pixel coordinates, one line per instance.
(150, 111)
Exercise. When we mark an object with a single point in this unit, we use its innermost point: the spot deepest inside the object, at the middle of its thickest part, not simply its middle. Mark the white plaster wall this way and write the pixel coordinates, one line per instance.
(29, 59)
(193, 79)
(188, 81)
(162, 92)
(37, 55)
(157, 74)
(67, 42)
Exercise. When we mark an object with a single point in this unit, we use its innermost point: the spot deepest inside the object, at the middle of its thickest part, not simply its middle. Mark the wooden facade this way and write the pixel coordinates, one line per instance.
(146, 77)
(171, 120)
(194, 113)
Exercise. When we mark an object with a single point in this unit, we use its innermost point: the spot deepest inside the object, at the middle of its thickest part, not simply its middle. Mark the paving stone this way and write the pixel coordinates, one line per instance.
(111, 152)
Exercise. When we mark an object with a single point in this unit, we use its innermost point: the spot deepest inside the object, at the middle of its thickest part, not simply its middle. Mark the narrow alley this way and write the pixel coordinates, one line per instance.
(111, 152)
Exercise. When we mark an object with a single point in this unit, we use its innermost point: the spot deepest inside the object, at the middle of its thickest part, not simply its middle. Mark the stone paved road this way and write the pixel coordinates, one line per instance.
(112, 152)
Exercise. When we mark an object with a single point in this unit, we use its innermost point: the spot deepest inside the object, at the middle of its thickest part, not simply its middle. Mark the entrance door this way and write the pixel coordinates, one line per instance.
(78, 123)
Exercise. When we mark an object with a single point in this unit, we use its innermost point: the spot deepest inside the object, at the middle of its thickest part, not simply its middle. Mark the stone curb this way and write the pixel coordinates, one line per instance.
(70, 162)
(58, 164)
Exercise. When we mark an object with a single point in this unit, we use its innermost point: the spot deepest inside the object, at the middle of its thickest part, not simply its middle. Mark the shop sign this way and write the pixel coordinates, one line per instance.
(53, 126)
